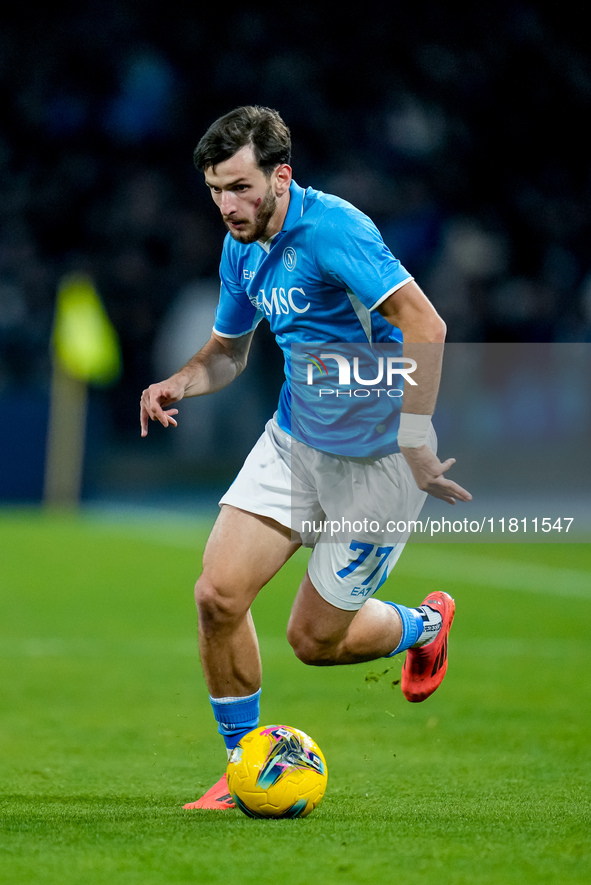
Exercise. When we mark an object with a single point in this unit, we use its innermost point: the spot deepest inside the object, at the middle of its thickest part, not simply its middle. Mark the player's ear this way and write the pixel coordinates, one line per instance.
(282, 179)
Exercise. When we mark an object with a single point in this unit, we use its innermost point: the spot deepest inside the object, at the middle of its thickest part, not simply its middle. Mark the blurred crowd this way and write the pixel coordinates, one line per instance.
(463, 135)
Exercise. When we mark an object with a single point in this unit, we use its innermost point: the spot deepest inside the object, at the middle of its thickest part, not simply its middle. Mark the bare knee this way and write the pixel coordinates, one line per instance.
(315, 652)
(218, 610)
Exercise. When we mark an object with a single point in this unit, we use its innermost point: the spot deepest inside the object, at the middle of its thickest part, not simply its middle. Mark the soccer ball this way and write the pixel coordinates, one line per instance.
(277, 771)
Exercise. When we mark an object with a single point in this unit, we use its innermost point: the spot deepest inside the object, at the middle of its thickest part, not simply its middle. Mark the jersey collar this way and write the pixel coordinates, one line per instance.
(295, 210)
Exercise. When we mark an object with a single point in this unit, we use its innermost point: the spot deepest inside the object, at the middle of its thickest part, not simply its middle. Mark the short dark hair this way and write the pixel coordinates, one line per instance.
(262, 128)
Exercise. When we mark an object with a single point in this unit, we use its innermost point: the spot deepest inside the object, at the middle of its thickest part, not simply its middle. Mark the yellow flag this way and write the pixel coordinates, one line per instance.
(84, 341)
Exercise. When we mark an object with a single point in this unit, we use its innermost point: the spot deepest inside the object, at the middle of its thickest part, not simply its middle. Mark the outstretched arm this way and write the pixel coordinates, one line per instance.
(212, 368)
(423, 333)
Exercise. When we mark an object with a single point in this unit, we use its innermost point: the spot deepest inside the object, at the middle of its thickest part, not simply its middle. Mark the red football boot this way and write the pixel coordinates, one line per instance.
(426, 665)
(217, 797)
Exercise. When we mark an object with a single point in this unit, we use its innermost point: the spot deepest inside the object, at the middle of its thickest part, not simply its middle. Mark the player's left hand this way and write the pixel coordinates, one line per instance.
(428, 472)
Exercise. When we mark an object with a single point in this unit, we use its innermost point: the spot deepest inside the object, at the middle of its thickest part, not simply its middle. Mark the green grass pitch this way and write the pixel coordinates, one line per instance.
(106, 729)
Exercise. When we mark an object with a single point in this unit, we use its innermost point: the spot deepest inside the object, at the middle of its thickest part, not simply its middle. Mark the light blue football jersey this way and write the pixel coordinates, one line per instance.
(318, 282)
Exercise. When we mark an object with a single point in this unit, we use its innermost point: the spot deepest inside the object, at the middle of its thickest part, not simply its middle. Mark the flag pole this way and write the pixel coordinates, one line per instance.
(64, 463)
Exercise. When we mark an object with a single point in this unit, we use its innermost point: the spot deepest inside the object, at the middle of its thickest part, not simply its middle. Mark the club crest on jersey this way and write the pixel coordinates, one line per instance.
(290, 257)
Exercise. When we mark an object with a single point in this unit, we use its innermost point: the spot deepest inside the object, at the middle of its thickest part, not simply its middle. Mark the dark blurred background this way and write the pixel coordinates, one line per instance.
(463, 131)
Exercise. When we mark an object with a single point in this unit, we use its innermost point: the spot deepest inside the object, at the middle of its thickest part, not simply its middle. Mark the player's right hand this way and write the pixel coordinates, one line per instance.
(154, 402)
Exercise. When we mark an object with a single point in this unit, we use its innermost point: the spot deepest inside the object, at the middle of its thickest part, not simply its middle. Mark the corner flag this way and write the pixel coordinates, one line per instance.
(85, 344)
(86, 351)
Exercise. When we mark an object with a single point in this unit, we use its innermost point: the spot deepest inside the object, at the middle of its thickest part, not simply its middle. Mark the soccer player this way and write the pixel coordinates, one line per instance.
(318, 270)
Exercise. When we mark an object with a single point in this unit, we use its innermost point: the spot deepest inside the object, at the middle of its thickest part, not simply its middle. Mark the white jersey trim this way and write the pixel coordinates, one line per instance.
(390, 291)
(237, 334)
(362, 313)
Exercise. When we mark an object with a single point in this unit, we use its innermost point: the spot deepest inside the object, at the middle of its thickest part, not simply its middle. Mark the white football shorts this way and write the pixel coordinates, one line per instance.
(356, 513)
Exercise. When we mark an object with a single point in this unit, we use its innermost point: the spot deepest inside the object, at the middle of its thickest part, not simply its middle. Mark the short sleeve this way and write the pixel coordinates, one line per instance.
(235, 315)
(350, 251)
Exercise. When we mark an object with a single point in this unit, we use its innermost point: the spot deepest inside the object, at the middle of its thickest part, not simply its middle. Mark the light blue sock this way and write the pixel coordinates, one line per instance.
(236, 716)
(412, 627)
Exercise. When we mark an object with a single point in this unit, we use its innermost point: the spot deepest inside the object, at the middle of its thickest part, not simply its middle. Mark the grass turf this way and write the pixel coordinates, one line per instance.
(106, 728)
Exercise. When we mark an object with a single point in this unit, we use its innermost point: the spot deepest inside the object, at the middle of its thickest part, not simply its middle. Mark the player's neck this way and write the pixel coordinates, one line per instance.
(278, 219)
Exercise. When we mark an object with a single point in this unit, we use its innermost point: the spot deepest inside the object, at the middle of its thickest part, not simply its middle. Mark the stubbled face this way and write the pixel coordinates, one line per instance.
(246, 198)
